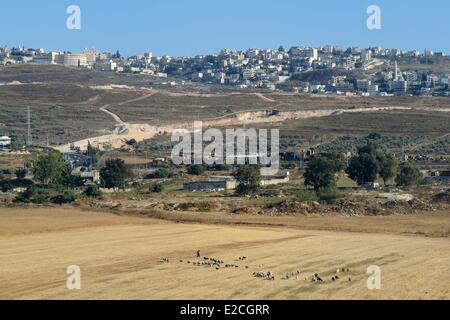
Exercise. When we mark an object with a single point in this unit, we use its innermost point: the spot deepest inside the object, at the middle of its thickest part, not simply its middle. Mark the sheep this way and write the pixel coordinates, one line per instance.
(259, 274)
(317, 278)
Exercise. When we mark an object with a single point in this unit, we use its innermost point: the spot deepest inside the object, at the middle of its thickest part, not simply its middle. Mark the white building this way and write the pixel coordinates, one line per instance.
(366, 56)
(5, 143)
(74, 60)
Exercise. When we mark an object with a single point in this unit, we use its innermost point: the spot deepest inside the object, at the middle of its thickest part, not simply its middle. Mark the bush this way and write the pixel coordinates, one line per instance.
(196, 169)
(427, 181)
(408, 175)
(221, 167)
(329, 194)
(21, 173)
(160, 174)
(66, 197)
(7, 186)
(93, 191)
(306, 196)
(45, 194)
(6, 171)
(157, 188)
(37, 195)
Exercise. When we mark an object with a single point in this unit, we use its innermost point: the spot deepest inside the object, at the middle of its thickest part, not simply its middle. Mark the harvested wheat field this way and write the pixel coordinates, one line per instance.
(121, 258)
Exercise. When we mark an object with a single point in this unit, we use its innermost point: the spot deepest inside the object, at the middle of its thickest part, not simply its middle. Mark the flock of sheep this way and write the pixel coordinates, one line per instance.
(218, 264)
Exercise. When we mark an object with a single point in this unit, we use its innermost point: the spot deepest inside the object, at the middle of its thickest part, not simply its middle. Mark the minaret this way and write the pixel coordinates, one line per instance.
(396, 71)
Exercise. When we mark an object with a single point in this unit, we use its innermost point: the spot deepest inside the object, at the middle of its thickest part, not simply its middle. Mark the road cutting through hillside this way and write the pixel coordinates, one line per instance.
(144, 131)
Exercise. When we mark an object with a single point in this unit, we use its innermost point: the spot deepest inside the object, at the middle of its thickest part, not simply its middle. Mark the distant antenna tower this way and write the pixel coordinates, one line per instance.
(29, 139)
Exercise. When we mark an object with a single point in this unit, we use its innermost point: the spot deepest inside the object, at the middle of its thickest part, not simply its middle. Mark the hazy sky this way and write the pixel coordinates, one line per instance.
(189, 27)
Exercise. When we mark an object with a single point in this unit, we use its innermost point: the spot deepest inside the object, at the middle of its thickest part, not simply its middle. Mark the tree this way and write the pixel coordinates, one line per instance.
(320, 173)
(365, 167)
(408, 175)
(114, 174)
(196, 169)
(388, 167)
(21, 173)
(50, 168)
(337, 160)
(94, 154)
(249, 179)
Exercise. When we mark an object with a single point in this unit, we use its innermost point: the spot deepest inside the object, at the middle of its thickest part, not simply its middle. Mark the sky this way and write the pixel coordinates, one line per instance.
(191, 27)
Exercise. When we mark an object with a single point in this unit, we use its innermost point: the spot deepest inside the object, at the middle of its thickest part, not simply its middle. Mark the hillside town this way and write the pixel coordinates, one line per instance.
(323, 70)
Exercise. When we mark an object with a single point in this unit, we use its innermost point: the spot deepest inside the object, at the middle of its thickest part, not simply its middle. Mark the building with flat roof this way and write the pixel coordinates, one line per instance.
(5, 143)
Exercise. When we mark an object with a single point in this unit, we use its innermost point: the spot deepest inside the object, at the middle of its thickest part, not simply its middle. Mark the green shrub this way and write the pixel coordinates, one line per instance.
(427, 181)
(157, 188)
(196, 169)
(93, 191)
(39, 194)
(66, 197)
(21, 173)
(7, 186)
(408, 175)
(306, 196)
(160, 174)
(220, 167)
(329, 194)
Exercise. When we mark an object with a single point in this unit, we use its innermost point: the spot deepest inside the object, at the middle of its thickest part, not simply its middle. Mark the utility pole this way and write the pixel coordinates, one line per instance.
(29, 139)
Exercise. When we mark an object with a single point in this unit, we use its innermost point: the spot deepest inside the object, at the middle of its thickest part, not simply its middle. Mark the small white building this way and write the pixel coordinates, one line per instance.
(5, 143)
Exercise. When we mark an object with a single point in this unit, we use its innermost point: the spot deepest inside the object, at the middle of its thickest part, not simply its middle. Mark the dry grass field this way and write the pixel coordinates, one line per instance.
(119, 259)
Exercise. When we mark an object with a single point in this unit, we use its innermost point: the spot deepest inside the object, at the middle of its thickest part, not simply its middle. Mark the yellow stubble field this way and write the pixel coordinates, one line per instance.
(120, 258)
